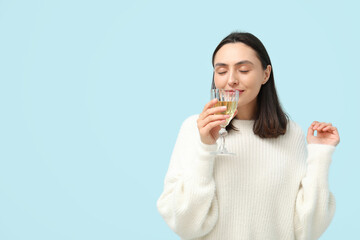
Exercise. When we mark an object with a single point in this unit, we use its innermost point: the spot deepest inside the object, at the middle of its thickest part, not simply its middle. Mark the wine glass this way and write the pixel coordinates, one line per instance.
(228, 98)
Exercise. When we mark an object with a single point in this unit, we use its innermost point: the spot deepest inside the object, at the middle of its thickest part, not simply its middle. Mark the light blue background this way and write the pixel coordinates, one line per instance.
(93, 93)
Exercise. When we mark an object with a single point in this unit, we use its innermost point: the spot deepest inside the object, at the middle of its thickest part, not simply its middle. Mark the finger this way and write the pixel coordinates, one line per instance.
(327, 128)
(212, 118)
(313, 123)
(330, 129)
(210, 104)
(336, 133)
(212, 125)
(212, 111)
(310, 131)
(316, 125)
(206, 107)
(324, 126)
(321, 126)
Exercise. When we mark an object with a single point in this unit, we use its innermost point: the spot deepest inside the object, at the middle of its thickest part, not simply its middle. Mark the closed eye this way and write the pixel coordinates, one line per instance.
(221, 73)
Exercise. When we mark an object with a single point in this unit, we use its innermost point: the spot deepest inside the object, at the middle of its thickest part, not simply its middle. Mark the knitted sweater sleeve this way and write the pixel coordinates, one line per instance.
(188, 202)
(315, 204)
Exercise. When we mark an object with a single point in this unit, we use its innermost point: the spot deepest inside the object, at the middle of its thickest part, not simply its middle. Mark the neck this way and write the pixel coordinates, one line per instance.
(247, 112)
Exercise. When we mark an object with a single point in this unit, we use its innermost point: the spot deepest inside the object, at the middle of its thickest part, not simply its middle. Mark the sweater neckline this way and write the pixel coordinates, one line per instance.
(239, 123)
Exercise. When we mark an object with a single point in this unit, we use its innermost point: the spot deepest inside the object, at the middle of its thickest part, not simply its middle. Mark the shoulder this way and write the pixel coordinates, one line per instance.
(191, 119)
(294, 129)
(190, 123)
(188, 131)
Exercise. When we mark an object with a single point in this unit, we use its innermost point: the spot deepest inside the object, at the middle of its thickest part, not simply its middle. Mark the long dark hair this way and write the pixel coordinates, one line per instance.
(270, 119)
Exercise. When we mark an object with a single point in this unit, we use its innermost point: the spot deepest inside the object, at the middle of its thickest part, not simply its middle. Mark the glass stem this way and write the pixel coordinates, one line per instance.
(222, 133)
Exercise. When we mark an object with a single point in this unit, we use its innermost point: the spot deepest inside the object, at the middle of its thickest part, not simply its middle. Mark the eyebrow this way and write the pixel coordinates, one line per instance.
(238, 63)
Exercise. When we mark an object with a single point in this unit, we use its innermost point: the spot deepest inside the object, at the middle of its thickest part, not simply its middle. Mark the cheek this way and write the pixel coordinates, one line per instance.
(252, 81)
(220, 82)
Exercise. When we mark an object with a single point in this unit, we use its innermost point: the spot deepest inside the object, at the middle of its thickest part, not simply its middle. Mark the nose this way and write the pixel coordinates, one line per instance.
(233, 81)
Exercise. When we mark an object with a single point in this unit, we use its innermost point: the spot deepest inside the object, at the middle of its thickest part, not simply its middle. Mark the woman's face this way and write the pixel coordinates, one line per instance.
(236, 66)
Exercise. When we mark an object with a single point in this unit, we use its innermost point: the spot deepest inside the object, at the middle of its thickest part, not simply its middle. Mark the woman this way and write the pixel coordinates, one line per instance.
(275, 188)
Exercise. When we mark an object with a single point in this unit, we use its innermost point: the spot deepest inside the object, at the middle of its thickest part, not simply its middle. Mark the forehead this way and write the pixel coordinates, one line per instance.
(232, 53)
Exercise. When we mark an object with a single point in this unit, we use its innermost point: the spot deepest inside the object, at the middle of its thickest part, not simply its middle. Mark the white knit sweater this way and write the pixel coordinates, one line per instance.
(274, 189)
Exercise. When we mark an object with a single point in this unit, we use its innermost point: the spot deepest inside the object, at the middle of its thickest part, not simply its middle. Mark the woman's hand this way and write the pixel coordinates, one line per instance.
(209, 124)
(326, 134)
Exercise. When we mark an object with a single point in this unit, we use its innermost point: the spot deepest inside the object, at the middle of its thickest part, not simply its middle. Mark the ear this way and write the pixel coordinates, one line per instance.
(267, 74)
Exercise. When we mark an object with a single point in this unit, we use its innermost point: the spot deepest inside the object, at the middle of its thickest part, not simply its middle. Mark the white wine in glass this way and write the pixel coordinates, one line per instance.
(230, 110)
(228, 98)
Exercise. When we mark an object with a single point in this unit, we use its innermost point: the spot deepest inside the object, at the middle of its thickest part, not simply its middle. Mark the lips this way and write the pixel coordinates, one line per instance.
(238, 90)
